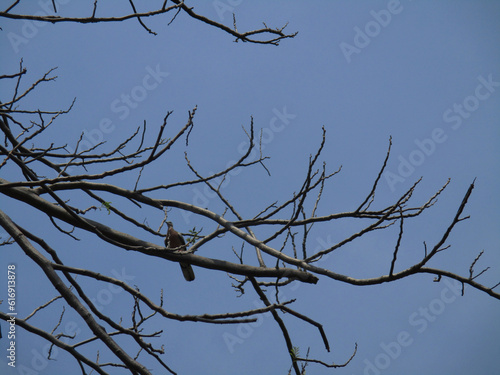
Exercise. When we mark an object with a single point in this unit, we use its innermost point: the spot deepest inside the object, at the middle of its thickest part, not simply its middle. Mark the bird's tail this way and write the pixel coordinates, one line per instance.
(187, 271)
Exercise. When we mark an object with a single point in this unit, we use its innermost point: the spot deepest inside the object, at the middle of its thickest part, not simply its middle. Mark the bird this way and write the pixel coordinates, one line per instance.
(174, 240)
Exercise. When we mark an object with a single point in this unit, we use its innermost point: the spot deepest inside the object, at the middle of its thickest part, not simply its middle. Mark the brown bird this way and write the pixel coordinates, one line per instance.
(174, 240)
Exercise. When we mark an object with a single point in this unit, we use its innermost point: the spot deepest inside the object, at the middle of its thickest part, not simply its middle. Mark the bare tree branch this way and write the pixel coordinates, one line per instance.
(68, 186)
(269, 35)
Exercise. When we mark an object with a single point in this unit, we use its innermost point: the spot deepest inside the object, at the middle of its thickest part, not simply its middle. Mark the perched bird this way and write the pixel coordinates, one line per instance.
(174, 240)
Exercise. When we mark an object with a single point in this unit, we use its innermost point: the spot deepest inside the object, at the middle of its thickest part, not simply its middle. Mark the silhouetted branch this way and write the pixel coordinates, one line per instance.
(45, 177)
(269, 35)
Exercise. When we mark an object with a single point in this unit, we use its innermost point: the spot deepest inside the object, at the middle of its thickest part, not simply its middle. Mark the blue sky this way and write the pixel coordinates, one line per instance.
(426, 73)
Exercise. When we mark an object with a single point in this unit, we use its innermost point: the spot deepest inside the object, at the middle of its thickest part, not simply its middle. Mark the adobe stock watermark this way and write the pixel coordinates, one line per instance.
(122, 107)
(278, 123)
(29, 29)
(39, 356)
(244, 331)
(363, 36)
(105, 296)
(419, 320)
(223, 6)
(454, 116)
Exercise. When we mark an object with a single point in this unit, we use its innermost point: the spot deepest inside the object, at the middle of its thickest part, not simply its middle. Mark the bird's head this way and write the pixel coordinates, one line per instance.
(169, 224)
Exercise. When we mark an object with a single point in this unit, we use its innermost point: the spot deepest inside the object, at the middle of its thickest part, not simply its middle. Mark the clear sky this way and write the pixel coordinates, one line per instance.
(426, 73)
